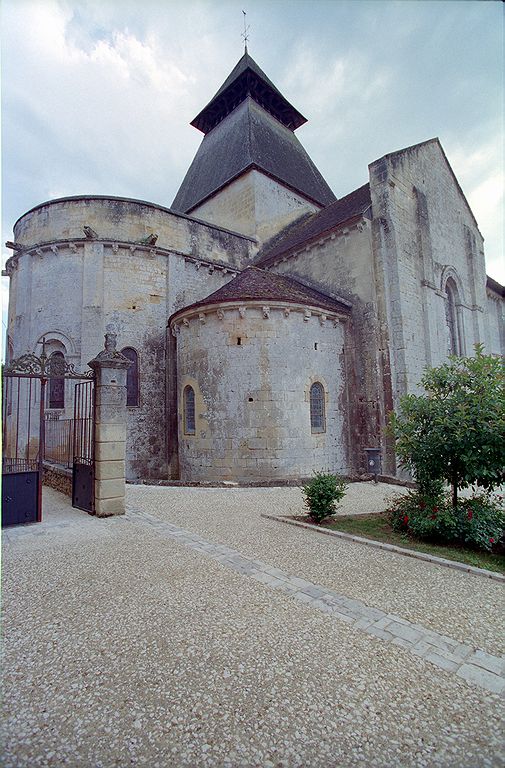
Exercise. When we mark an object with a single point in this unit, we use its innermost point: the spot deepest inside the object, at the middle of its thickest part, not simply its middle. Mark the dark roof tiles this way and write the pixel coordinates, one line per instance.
(250, 138)
(354, 204)
(247, 79)
(255, 284)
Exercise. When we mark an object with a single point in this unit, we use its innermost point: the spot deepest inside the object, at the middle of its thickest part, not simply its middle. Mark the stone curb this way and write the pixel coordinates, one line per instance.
(454, 564)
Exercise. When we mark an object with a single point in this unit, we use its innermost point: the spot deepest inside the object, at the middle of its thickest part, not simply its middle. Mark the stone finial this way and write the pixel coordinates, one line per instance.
(110, 341)
(109, 356)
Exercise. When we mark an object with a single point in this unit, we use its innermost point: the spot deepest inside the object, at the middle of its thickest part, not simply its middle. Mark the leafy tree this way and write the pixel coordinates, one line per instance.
(456, 431)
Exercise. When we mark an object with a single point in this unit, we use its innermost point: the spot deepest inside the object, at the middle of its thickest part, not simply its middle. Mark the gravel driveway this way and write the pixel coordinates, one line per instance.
(124, 645)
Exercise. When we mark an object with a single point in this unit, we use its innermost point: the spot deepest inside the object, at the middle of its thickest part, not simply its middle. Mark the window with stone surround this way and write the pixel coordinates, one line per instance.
(189, 410)
(451, 319)
(132, 377)
(57, 383)
(317, 410)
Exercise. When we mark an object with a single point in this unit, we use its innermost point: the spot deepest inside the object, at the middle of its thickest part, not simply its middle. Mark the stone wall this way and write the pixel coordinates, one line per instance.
(71, 291)
(251, 368)
(255, 205)
(58, 478)
(496, 316)
(424, 234)
(340, 263)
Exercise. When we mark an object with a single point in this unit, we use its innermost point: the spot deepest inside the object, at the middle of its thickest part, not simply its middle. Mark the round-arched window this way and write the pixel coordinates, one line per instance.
(132, 376)
(317, 409)
(188, 399)
(56, 382)
(451, 293)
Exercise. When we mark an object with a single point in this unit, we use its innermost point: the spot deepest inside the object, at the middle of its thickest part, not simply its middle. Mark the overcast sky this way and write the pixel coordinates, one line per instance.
(97, 96)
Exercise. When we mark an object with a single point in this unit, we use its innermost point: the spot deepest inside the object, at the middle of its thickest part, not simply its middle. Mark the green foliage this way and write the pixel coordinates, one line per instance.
(456, 431)
(477, 523)
(322, 493)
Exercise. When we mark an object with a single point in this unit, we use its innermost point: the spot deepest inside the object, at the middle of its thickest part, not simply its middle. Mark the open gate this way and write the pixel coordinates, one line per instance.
(24, 423)
(22, 438)
(83, 447)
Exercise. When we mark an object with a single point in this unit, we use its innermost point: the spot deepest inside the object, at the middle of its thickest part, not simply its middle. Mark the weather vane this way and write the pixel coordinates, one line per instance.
(244, 33)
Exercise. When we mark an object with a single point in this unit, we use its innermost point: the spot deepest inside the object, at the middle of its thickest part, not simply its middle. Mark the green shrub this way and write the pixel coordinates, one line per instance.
(322, 493)
(477, 523)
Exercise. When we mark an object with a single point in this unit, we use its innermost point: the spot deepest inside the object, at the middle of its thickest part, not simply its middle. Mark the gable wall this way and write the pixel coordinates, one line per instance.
(423, 232)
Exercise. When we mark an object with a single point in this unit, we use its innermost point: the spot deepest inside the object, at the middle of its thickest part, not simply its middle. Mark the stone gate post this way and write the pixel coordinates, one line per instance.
(110, 368)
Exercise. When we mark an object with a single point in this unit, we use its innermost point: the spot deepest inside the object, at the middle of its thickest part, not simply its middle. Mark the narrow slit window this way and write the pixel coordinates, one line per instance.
(189, 410)
(132, 376)
(317, 413)
(57, 383)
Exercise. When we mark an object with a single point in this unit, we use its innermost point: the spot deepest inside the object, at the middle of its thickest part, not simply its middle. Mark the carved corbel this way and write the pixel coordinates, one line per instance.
(202, 318)
(242, 311)
(266, 312)
(115, 247)
(307, 315)
(322, 319)
(220, 314)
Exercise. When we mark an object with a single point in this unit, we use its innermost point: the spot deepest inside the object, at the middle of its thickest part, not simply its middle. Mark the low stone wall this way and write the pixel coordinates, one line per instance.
(59, 478)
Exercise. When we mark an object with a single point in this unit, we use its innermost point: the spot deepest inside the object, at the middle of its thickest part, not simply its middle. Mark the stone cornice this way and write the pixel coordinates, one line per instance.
(239, 309)
(56, 246)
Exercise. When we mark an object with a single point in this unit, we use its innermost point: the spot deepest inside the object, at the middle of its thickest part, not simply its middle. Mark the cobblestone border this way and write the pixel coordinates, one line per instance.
(463, 659)
(457, 566)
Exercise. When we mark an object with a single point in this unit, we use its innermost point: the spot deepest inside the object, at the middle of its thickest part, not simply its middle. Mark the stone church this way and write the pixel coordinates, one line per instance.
(271, 326)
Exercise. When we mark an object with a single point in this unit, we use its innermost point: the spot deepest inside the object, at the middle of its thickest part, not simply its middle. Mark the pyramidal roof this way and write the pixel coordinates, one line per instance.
(250, 138)
(247, 79)
(255, 284)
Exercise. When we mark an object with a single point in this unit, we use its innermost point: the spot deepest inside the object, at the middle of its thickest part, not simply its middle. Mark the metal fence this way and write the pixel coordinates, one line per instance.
(59, 435)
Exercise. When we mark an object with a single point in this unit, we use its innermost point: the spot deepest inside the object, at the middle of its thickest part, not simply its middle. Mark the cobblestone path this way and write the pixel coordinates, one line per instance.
(470, 663)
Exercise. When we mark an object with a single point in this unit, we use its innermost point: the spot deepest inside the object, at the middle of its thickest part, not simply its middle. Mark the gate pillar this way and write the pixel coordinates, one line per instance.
(110, 368)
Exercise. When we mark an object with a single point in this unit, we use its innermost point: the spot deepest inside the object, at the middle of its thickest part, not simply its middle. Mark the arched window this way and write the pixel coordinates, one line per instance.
(188, 402)
(317, 415)
(56, 383)
(451, 292)
(132, 376)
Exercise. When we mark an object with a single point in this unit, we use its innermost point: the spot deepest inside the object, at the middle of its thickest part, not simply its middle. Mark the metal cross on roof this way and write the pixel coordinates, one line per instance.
(244, 33)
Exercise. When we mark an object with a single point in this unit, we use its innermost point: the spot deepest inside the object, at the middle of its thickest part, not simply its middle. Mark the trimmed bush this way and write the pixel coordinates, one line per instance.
(322, 494)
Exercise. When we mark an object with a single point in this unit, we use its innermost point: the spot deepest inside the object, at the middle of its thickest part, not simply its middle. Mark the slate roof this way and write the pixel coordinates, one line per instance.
(309, 228)
(255, 284)
(250, 138)
(245, 79)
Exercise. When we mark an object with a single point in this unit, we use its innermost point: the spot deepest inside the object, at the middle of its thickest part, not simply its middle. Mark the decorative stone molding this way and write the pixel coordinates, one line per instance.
(272, 312)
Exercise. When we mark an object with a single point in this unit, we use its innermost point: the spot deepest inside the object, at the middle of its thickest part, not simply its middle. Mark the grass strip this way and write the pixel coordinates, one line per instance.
(377, 527)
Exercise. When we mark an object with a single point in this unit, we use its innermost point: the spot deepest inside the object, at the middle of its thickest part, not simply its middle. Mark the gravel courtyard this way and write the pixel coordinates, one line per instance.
(131, 642)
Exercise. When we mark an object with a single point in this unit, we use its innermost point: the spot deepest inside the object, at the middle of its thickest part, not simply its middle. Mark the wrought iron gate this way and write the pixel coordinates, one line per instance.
(22, 440)
(83, 447)
(24, 383)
